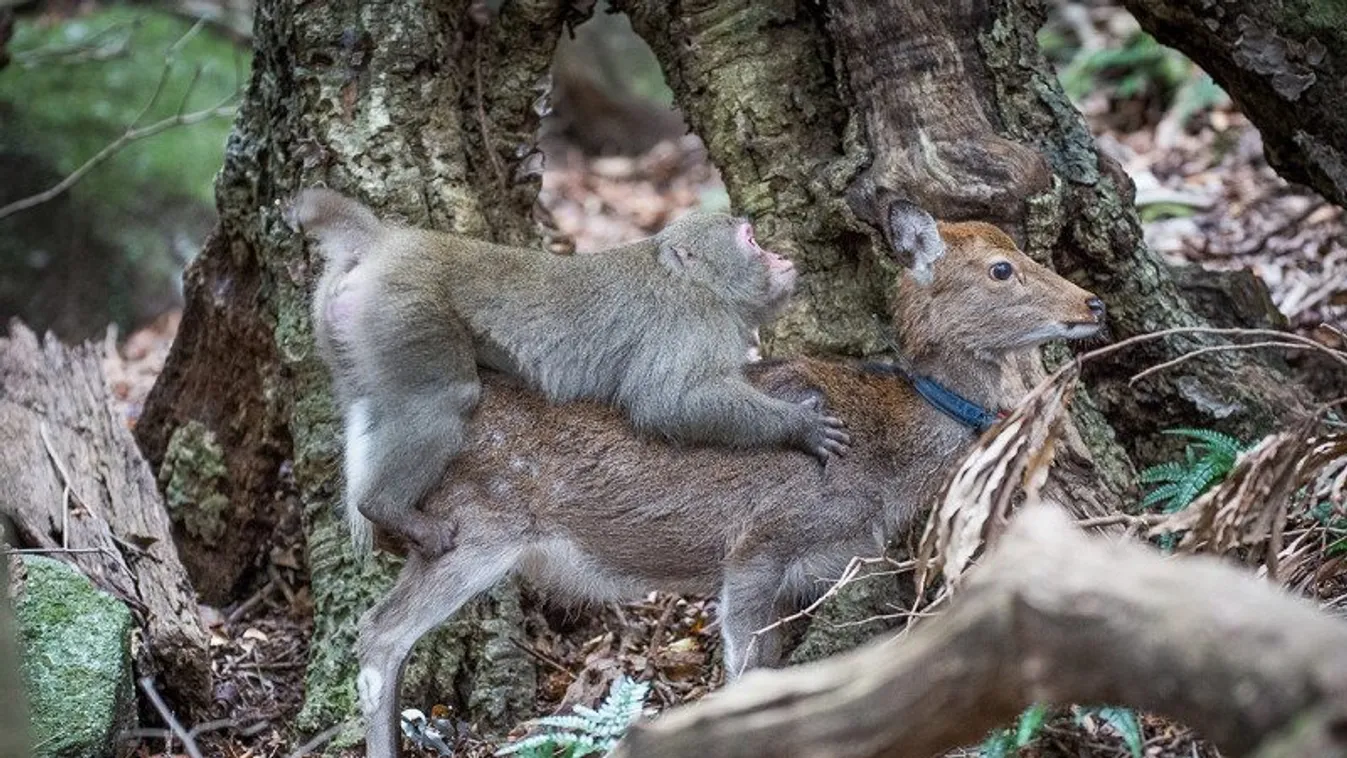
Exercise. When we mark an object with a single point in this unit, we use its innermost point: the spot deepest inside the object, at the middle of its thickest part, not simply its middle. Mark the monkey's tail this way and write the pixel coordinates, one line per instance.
(356, 465)
(344, 227)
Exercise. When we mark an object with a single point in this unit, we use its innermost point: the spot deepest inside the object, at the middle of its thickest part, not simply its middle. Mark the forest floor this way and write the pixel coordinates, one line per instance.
(1208, 197)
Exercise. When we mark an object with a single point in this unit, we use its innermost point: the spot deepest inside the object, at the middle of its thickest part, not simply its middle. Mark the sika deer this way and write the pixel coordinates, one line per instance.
(572, 499)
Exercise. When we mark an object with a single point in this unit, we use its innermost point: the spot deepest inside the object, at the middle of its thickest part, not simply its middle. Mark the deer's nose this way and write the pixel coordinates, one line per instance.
(1097, 307)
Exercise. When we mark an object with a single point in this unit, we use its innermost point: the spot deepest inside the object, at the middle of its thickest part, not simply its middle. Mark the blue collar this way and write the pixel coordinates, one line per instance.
(952, 404)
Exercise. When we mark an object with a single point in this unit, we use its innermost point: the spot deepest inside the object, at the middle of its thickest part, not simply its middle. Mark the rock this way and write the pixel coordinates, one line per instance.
(75, 649)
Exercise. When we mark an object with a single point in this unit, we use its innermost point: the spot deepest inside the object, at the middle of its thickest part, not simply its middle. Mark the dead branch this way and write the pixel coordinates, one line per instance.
(1050, 616)
(75, 486)
(174, 726)
(1285, 345)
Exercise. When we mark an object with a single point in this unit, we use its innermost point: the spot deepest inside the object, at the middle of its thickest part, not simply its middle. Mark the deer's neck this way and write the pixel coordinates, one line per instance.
(975, 379)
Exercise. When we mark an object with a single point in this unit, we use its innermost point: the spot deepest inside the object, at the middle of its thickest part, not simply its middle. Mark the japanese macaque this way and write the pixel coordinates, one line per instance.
(584, 508)
(660, 328)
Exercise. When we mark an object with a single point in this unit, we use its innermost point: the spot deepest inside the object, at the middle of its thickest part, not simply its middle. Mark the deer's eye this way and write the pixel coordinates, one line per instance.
(1002, 271)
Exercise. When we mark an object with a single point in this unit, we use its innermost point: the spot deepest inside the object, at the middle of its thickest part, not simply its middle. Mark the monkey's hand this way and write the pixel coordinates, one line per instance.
(825, 436)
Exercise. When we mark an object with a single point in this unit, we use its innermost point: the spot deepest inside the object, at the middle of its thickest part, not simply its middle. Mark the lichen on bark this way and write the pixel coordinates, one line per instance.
(190, 477)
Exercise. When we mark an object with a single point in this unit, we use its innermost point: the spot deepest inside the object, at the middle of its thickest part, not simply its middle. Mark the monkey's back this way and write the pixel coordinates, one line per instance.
(586, 326)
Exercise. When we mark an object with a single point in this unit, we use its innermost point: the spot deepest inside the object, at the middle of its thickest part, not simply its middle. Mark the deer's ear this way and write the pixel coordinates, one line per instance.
(914, 238)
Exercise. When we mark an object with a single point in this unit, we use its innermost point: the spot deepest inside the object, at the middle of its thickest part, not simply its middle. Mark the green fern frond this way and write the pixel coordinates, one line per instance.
(1207, 460)
(585, 731)
(1161, 494)
(1169, 471)
(1124, 721)
(573, 723)
(1215, 441)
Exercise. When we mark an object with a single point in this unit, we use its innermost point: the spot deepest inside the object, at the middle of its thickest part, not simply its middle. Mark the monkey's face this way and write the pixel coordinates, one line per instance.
(721, 253)
(758, 280)
(780, 271)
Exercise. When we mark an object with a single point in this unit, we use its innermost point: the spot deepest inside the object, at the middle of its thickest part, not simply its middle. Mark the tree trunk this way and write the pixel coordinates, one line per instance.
(1284, 64)
(418, 110)
(819, 120)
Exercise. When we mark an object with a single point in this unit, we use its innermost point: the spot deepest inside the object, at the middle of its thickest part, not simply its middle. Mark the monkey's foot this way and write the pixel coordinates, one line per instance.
(431, 537)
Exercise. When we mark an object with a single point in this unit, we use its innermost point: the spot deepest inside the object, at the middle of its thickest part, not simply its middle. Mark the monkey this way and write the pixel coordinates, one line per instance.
(660, 328)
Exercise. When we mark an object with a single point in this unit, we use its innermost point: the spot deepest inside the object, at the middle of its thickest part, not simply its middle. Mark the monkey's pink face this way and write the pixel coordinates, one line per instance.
(777, 264)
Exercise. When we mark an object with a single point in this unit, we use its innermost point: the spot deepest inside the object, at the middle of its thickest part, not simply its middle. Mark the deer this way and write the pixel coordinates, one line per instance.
(571, 498)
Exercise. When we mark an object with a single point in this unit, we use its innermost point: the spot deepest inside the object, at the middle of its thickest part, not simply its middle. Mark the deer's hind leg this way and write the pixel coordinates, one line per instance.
(427, 592)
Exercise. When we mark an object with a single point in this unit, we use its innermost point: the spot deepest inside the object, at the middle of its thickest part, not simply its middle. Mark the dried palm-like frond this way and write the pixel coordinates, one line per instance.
(973, 506)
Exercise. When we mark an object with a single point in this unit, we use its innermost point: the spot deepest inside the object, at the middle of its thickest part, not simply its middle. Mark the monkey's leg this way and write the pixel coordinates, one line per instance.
(411, 439)
(733, 412)
(426, 594)
(748, 603)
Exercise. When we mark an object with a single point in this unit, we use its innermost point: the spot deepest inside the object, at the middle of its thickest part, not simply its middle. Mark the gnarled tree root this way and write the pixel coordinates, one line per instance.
(1050, 616)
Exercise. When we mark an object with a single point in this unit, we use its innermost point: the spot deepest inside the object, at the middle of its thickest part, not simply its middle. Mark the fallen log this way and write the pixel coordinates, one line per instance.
(1050, 616)
(76, 488)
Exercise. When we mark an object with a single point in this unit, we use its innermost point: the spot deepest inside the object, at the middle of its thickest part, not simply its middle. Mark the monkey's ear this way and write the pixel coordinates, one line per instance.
(914, 238)
(674, 257)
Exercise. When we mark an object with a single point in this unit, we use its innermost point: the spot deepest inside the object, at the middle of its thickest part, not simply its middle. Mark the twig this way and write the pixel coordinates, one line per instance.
(653, 646)
(251, 603)
(543, 658)
(235, 724)
(65, 484)
(188, 743)
(132, 134)
(58, 551)
(1121, 518)
(280, 582)
(1337, 355)
(89, 48)
(1215, 349)
(160, 733)
(848, 575)
(496, 164)
(320, 739)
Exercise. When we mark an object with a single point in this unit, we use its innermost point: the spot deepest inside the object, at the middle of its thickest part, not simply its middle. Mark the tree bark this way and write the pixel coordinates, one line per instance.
(426, 116)
(71, 477)
(1253, 669)
(1285, 66)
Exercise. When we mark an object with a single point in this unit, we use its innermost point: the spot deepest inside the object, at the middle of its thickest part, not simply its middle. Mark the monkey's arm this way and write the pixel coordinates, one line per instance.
(729, 411)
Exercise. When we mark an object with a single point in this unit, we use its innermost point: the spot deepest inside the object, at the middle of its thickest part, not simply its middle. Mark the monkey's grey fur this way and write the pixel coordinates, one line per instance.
(660, 328)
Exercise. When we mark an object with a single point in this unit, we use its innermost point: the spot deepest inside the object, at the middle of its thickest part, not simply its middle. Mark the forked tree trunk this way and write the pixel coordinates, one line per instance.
(818, 118)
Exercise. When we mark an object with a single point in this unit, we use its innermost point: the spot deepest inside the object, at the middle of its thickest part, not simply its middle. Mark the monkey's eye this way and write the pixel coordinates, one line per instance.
(1002, 270)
